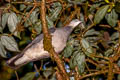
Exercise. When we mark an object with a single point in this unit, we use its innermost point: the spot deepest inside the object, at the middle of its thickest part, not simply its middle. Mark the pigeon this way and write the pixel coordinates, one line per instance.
(35, 51)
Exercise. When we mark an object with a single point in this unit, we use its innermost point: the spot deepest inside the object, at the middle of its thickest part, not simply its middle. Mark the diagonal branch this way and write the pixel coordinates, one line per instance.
(48, 45)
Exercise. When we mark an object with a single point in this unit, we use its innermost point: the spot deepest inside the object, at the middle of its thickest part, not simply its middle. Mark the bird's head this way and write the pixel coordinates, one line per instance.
(74, 23)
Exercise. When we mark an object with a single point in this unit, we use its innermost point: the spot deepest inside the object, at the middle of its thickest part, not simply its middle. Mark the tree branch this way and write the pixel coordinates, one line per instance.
(48, 45)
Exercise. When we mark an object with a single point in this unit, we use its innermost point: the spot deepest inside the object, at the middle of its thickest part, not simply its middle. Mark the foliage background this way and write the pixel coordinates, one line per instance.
(92, 51)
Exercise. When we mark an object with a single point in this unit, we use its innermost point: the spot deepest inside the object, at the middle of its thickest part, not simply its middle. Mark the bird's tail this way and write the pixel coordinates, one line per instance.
(18, 61)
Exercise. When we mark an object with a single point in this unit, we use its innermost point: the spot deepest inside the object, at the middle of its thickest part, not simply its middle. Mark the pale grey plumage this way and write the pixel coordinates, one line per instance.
(35, 51)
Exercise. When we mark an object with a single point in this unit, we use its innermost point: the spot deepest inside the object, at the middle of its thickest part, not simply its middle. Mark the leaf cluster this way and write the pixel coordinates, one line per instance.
(92, 49)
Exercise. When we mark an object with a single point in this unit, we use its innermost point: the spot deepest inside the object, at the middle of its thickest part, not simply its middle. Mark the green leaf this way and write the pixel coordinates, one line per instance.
(94, 6)
(118, 63)
(1, 29)
(53, 77)
(48, 72)
(112, 18)
(22, 7)
(78, 59)
(117, 7)
(118, 77)
(100, 14)
(19, 17)
(92, 38)
(73, 62)
(80, 1)
(87, 48)
(50, 22)
(5, 19)
(2, 50)
(56, 12)
(69, 49)
(27, 23)
(115, 36)
(81, 62)
(28, 76)
(108, 52)
(12, 24)
(76, 1)
(34, 16)
(91, 33)
(9, 43)
(38, 27)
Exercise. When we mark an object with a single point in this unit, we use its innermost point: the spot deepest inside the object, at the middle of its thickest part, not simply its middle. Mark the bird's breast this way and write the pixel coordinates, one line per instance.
(58, 42)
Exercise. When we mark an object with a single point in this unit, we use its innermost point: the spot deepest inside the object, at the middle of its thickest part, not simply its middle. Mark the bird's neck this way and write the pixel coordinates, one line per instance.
(68, 29)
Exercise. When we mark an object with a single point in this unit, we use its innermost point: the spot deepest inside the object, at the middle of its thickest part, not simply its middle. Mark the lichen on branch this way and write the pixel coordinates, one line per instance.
(48, 43)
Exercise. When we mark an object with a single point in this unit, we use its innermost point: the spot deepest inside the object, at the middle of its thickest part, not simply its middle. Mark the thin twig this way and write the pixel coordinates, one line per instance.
(110, 71)
(37, 70)
(17, 75)
(93, 74)
(89, 27)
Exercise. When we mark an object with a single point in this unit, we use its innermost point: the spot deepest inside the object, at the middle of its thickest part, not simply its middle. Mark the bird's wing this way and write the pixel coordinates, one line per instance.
(37, 39)
(11, 62)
